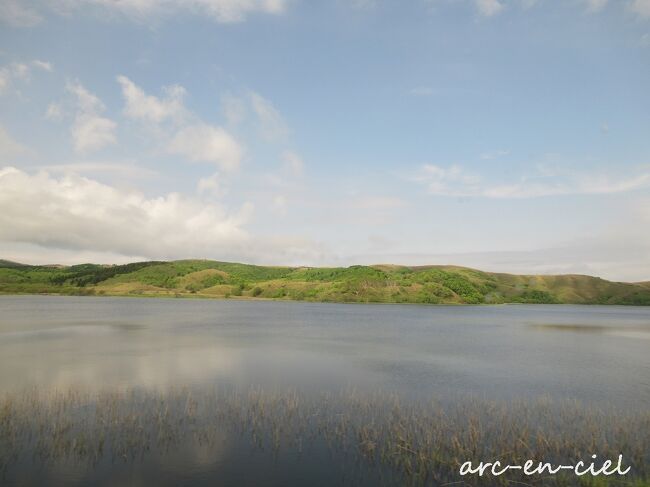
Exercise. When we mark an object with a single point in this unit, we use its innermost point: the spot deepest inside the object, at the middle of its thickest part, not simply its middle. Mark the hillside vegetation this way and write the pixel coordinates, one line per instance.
(377, 284)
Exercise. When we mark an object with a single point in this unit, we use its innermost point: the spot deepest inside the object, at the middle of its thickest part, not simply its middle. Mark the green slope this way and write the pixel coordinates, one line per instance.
(379, 283)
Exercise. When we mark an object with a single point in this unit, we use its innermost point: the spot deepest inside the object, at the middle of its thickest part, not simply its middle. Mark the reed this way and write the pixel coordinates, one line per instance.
(413, 443)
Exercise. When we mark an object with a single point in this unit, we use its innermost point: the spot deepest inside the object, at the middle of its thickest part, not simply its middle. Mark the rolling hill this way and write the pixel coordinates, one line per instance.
(377, 283)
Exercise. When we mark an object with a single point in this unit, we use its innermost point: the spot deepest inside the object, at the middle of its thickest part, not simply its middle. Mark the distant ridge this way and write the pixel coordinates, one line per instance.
(11, 265)
(383, 283)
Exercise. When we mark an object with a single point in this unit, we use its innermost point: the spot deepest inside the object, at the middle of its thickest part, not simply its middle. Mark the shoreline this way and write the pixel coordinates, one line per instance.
(204, 297)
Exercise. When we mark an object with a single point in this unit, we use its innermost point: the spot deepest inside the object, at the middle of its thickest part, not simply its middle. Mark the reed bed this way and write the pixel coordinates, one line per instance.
(411, 443)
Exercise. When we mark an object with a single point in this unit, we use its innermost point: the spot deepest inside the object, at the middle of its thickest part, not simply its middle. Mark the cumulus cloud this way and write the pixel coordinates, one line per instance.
(8, 146)
(494, 155)
(70, 215)
(207, 143)
(271, 124)
(210, 185)
(421, 91)
(645, 40)
(257, 113)
(279, 204)
(489, 7)
(378, 203)
(187, 135)
(54, 111)
(225, 11)
(141, 106)
(456, 181)
(72, 212)
(20, 71)
(90, 131)
(450, 181)
(640, 7)
(571, 185)
(292, 162)
(595, 5)
(362, 4)
(234, 109)
(526, 4)
(122, 169)
(17, 14)
(44, 65)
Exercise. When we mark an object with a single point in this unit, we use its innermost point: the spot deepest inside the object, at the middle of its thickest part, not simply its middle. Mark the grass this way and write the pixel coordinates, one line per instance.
(362, 284)
(416, 443)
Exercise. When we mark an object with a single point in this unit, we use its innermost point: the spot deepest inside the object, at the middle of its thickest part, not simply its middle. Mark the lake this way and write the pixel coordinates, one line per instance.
(598, 355)
(595, 353)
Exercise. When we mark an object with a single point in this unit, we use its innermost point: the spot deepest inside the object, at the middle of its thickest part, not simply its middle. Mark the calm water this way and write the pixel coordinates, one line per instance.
(593, 353)
(596, 354)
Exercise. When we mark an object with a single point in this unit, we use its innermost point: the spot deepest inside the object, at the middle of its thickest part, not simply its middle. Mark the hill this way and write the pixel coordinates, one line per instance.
(377, 283)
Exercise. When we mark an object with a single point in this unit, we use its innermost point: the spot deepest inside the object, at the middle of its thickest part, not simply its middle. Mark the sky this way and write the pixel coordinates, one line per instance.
(505, 135)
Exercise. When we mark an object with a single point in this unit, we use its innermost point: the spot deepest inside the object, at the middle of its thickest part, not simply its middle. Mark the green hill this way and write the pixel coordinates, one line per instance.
(377, 283)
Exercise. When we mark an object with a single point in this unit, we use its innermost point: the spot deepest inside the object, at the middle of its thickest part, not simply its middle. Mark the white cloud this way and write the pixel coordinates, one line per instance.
(576, 184)
(421, 91)
(72, 216)
(54, 111)
(73, 212)
(279, 205)
(271, 124)
(90, 131)
(124, 169)
(141, 106)
(645, 40)
(266, 119)
(494, 155)
(489, 7)
(595, 5)
(293, 163)
(44, 65)
(86, 101)
(378, 203)
(234, 109)
(451, 181)
(20, 71)
(457, 182)
(640, 7)
(526, 4)
(225, 11)
(5, 79)
(361, 4)
(9, 148)
(210, 185)
(188, 135)
(16, 13)
(207, 143)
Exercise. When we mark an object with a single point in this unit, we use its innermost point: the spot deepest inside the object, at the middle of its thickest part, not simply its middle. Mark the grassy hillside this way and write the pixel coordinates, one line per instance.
(379, 283)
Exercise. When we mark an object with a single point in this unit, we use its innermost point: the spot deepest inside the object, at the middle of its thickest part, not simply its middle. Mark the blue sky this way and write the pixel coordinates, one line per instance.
(506, 135)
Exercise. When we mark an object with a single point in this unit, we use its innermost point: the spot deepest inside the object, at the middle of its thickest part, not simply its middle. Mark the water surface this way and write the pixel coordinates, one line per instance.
(598, 354)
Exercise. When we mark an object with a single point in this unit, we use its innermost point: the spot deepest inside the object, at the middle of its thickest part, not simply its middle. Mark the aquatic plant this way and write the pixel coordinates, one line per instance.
(410, 443)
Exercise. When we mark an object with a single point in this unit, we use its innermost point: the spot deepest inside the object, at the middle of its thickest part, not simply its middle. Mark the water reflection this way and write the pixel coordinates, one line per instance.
(594, 353)
(642, 333)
